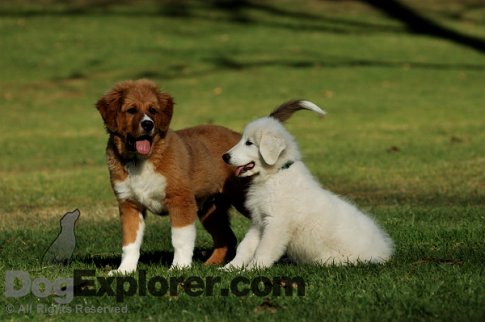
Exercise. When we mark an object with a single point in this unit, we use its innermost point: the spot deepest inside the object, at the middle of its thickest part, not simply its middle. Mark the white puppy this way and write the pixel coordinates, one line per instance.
(290, 211)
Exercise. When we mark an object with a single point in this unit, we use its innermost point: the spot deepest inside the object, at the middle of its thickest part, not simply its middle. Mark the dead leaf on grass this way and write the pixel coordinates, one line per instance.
(455, 140)
(393, 149)
(266, 306)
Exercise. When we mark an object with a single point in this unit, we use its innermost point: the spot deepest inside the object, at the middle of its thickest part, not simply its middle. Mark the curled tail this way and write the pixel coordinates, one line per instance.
(286, 110)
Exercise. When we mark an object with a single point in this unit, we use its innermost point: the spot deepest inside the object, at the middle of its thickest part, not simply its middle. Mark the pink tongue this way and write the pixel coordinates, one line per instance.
(239, 170)
(143, 146)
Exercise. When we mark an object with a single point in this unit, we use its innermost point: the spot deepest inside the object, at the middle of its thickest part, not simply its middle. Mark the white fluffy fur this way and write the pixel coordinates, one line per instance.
(143, 184)
(312, 107)
(290, 211)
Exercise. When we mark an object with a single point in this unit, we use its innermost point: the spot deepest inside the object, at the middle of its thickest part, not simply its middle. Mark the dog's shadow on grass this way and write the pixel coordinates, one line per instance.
(163, 258)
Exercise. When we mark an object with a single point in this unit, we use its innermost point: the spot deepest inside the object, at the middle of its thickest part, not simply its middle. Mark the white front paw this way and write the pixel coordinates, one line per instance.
(183, 240)
(254, 264)
(178, 265)
(231, 266)
(251, 266)
(121, 271)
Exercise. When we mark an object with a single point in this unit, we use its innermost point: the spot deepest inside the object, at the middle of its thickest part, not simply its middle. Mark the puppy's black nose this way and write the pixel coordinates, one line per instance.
(226, 157)
(147, 125)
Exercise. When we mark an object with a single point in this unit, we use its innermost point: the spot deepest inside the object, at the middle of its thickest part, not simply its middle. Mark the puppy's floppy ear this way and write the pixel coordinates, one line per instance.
(166, 106)
(271, 147)
(109, 105)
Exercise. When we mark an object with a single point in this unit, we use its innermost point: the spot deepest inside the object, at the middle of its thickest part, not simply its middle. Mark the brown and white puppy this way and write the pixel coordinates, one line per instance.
(179, 173)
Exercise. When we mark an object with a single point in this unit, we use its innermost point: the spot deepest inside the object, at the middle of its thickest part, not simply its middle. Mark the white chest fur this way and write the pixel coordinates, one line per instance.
(144, 185)
(258, 203)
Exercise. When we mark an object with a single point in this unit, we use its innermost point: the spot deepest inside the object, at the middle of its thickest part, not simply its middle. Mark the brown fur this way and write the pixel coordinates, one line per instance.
(198, 181)
(286, 110)
(130, 220)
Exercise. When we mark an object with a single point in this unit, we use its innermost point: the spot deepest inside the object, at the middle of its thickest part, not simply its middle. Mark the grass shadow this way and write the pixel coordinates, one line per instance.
(163, 258)
(232, 11)
(418, 23)
(227, 63)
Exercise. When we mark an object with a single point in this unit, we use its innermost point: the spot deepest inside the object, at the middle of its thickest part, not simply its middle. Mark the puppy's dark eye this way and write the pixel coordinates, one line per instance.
(131, 110)
(249, 142)
(152, 110)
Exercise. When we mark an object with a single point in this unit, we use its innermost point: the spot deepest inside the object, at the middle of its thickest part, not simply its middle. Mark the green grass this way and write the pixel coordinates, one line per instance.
(404, 139)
